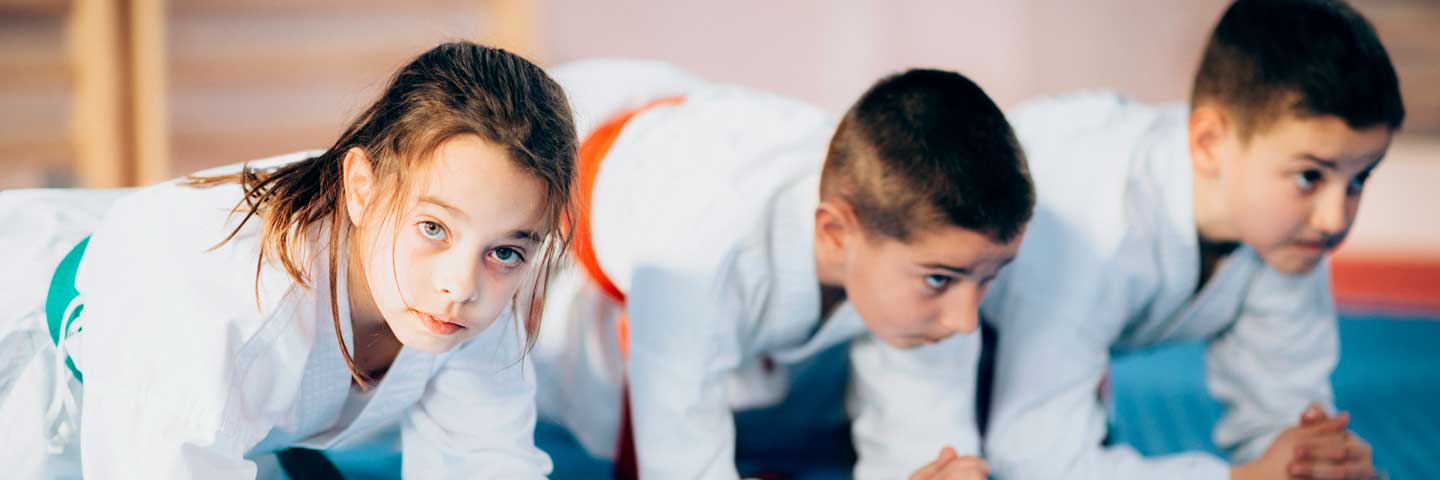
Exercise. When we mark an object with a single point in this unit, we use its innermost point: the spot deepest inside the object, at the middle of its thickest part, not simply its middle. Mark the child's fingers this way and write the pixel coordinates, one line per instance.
(963, 468)
(972, 462)
(929, 471)
(948, 453)
(1325, 450)
(1359, 446)
(1312, 414)
(1331, 472)
(1332, 425)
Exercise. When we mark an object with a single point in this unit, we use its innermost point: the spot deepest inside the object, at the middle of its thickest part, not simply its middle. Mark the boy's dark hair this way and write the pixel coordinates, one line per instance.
(926, 148)
(1269, 58)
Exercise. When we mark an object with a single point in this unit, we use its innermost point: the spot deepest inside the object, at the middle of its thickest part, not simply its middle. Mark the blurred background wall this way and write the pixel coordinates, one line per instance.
(128, 92)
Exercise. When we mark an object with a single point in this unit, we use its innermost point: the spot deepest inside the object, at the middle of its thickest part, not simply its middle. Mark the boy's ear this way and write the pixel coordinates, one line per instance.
(359, 183)
(835, 224)
(1210, 130)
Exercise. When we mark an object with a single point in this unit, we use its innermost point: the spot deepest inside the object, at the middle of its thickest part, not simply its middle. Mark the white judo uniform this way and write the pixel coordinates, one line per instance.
(703, 215)
(1111, 262)
(188, 374)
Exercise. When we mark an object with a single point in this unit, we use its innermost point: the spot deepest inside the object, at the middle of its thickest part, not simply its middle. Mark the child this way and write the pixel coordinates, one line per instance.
(1162, 223)
(727, 233)
(314, 298)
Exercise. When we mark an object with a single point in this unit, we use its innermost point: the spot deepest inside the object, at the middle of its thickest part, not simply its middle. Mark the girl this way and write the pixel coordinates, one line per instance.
(309, 300)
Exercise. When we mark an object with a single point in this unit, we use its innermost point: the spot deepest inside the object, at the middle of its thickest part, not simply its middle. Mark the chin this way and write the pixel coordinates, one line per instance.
(1294, 263)
(903, 343)
(425, 342)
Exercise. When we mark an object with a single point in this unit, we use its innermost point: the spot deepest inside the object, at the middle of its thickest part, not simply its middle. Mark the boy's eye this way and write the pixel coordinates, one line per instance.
(937, 281)
(507, 256)
(432, 230)
(1306, 180)
(1358, 183)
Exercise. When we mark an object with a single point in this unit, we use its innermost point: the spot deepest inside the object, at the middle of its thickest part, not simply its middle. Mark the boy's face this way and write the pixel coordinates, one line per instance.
(922, 291)
(445, 267)
(1291, 193)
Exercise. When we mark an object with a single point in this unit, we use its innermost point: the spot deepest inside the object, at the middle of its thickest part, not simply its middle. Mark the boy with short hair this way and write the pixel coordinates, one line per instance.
(742, 232)
(1158, 224)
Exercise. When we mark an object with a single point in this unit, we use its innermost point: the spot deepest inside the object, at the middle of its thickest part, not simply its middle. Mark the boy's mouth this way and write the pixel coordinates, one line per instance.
(1322, 244)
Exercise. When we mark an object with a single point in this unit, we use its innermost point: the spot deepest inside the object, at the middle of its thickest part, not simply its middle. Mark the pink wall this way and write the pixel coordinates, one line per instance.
(827, 52)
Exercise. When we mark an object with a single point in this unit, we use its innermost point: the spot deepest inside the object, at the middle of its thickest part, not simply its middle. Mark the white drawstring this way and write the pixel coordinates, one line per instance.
(63, 400)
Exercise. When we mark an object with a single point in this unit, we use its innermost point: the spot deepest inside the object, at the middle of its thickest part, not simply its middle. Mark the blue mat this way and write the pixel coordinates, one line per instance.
(1388, 379)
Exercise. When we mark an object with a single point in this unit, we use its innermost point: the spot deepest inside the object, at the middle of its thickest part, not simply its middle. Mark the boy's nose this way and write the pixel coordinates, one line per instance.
(1330, 215)
(962, 316)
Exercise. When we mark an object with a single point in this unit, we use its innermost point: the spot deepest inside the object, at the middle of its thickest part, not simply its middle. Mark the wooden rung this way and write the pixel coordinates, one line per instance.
(149, 107)
(95, 50)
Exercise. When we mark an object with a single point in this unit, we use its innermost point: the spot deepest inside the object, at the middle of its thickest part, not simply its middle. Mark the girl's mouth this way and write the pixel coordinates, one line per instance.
(438, 326)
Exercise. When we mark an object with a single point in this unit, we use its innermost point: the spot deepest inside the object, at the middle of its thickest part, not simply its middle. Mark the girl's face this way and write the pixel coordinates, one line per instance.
(451, 258)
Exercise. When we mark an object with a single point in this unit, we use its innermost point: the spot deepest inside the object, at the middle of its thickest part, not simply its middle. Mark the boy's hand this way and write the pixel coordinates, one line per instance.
(949, 466)
(1347, 458)
(1327, 434)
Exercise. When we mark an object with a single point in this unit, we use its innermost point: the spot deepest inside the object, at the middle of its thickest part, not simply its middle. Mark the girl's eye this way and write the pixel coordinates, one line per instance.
(1306, 180)
(507, 256)
(433, 231)
(937, 281)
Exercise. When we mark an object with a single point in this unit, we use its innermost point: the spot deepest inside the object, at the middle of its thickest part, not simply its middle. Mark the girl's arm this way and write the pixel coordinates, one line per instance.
(184, 374)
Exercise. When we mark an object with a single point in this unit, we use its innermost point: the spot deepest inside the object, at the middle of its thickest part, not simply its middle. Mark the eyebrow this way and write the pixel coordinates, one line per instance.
(450, 208)
(956, 270)
(963, 271)
(1329, 164)
(524, 235)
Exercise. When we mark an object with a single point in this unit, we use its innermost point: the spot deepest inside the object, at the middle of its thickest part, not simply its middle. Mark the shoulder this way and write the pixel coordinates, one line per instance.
(1096, 131)
(165, 297)
(1075, 112)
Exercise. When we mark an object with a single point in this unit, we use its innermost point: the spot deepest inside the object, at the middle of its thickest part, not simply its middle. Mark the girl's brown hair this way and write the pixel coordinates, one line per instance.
(454, 89)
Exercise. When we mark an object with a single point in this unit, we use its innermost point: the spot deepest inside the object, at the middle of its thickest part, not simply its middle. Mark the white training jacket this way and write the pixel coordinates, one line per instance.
(189, 374)
(1111, 263)
(703, 214)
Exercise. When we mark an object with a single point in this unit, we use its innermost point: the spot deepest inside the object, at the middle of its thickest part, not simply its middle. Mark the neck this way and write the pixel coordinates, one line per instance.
(1212, 221)
(364, 314)
(375, 345)
(830, 272)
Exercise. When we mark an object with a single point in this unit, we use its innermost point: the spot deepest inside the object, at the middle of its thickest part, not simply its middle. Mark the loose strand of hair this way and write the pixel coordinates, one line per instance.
(357, 374)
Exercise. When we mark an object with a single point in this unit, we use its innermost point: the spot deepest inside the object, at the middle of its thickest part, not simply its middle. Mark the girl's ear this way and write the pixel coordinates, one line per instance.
(359, 184)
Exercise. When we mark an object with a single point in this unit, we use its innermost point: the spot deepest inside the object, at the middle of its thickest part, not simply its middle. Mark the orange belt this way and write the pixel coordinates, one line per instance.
(592, 152)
